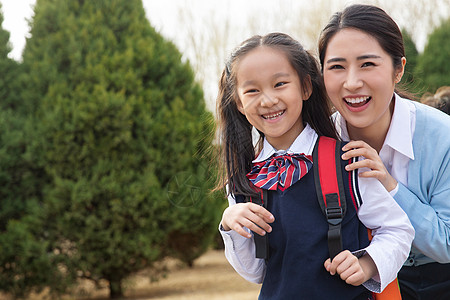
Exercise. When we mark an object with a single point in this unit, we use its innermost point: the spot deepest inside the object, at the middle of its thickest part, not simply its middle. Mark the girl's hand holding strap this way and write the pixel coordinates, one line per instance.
(249, 215)
(352, 270)
(372, 161)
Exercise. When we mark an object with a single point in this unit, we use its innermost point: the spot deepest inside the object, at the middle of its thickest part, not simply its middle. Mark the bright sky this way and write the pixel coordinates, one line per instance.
(163, 15)
(174, 18)
(15, 13)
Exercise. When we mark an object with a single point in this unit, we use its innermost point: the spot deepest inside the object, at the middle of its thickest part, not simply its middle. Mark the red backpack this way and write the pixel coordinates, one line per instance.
(331, 196)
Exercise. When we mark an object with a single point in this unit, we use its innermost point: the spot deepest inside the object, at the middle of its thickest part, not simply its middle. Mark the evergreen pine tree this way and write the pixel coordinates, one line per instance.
(122, 131)
(409, 80)
(10, 71)
(25, 264)
(433, 65)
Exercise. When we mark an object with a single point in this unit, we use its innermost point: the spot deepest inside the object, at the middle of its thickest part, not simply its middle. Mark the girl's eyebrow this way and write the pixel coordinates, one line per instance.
(247, 83)
(275, 76)
(281, 74)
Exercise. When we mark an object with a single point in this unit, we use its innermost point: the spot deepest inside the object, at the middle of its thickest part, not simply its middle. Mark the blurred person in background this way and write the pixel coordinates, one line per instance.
(439, 100)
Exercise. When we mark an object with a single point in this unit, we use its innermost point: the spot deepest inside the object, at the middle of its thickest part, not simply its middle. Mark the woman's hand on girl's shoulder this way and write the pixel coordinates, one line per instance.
(249, 215)
(371, 161)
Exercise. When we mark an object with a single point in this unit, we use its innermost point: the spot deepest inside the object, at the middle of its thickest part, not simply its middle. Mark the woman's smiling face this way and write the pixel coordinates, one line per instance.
(360, 78)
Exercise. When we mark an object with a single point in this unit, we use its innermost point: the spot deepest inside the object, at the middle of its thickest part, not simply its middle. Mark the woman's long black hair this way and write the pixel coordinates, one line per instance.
(375, 22)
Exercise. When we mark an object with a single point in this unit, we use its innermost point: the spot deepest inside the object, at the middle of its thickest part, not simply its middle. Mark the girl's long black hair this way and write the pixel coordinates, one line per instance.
(235, 132)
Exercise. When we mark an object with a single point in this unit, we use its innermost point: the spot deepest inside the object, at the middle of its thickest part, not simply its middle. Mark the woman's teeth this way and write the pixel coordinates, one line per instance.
(273, 116)
(358, 101)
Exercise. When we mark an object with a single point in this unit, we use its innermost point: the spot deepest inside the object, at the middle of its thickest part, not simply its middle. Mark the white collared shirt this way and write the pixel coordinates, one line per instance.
(304, 143)
(391, 229)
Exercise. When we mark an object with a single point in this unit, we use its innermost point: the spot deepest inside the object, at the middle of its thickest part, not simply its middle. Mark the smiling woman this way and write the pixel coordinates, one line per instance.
(362, 54)
(360, 82)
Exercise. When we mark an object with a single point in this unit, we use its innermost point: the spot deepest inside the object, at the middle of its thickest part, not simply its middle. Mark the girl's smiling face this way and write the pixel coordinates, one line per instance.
(360, 79)
(270, 95)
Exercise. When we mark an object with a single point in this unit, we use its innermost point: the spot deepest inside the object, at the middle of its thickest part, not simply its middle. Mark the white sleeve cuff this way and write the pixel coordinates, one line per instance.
(240, 253)
(373, 284)
(394, 191)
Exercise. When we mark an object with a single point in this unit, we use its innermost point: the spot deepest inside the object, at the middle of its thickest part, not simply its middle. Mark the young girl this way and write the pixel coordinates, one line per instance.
(405, 144)
(272, 84)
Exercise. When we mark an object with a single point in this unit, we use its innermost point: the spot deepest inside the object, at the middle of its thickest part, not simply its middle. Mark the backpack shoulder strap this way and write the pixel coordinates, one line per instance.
(330, 189)
(261, 242)
(331, 197)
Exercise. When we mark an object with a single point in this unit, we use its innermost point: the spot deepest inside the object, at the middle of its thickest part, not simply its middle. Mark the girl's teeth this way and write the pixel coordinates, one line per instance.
(273, 116)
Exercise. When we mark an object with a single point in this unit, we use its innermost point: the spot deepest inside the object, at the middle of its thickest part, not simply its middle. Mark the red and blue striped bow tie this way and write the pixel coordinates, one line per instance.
(280, 171)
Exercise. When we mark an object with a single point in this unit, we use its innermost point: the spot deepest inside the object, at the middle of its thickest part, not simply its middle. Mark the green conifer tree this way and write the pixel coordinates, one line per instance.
(433, 65)
(409, 80)
(122, 131)
(10, 71)
(23, 254)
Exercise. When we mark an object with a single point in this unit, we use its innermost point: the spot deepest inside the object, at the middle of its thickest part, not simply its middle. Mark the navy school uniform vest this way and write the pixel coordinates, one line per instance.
(298, 245)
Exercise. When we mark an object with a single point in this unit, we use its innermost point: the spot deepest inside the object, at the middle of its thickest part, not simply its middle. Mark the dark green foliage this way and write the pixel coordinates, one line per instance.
(26, 264)
(433, 65)
(10, 84)
(121, 132)
(22, 251)
(409, 81)
(9, 70)
(196, 225)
